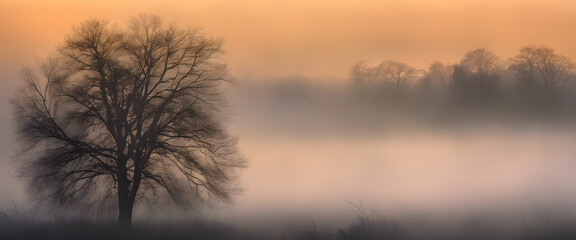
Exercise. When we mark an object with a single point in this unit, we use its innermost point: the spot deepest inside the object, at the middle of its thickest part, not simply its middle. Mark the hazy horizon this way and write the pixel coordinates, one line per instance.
(307, 159)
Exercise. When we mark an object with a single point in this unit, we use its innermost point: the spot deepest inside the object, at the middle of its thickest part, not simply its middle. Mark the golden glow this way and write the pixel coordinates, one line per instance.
(314, 38)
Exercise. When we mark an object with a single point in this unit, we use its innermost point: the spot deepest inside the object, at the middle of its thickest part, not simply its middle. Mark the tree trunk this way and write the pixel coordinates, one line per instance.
(125, 204)
(125, 207)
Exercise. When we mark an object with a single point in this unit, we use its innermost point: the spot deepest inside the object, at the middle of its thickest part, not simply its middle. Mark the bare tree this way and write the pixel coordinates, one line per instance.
(482, 67)
(438, 75)
(128, 114)
(396, 73)
(363, 75)
(537, 67)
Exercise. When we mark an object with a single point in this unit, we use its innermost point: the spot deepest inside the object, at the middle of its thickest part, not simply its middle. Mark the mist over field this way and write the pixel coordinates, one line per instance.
(399, 158)
(339, 120)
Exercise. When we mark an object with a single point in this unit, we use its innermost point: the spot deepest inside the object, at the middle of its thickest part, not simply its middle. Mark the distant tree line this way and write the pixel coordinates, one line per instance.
(537, 74)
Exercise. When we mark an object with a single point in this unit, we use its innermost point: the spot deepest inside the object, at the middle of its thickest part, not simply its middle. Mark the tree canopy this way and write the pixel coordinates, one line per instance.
(126, 114)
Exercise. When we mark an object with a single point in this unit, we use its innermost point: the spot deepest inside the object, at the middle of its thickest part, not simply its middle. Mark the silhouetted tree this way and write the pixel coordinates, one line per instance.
(478, 72)
(438, 75)
(360, 74)
(540, 68)
(128, 113)
(389, 72)
(396, 73)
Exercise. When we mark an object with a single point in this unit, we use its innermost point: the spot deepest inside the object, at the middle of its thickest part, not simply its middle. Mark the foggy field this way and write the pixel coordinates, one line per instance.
(288, 120)
(330, 174)
(365, 225)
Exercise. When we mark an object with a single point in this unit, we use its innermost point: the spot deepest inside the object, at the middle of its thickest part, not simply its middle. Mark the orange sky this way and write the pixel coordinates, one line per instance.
(321, 38)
